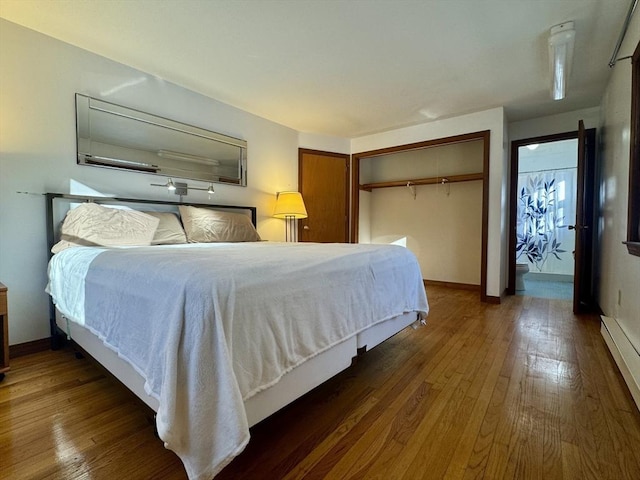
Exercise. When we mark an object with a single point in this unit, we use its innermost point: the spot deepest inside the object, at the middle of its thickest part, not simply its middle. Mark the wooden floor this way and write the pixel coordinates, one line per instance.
(519, 390)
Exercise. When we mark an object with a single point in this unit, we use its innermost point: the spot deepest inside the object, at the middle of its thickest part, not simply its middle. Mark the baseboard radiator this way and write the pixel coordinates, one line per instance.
(626, 356)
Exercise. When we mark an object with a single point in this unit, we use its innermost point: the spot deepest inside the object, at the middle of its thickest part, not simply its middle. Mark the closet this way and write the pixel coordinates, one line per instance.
(430, 198)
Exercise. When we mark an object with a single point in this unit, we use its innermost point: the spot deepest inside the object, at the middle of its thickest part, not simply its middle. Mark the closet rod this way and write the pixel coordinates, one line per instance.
(424, 181)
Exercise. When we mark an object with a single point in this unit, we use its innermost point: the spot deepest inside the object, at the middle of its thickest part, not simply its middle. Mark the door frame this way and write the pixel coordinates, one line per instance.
(485, 136)
(347, 159)
(513, 191)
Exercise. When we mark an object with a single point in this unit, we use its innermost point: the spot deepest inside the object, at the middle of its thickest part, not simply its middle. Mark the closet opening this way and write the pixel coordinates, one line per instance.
(432, 198)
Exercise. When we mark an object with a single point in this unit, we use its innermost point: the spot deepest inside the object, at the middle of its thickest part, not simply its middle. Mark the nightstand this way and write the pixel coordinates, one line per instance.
(4, 332)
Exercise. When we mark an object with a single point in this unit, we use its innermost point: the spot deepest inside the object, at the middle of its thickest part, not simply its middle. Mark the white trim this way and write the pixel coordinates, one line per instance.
(626, 357)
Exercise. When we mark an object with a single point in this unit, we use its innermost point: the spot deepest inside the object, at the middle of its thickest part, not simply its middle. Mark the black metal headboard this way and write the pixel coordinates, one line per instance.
(52, 223)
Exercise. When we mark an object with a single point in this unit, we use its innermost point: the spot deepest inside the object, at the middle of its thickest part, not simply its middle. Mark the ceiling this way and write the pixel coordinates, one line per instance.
(347, 67)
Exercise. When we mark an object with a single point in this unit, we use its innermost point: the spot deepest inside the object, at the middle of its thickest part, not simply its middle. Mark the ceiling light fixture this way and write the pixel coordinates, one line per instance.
(561, 42)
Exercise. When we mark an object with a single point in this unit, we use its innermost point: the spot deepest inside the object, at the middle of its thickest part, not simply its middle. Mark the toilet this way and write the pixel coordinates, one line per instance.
(521, 270)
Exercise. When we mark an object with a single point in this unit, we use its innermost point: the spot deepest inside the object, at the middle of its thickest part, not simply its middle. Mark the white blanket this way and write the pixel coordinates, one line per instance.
(209, 327)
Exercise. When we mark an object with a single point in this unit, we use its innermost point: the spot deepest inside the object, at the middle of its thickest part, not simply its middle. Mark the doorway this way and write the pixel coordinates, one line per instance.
(545, 208)
(552, 217)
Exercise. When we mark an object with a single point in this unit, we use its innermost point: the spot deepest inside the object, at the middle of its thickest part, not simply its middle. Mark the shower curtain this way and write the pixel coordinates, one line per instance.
(546, 207)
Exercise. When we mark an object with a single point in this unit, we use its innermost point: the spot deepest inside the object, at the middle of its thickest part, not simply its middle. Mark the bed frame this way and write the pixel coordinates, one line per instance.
(293, 385)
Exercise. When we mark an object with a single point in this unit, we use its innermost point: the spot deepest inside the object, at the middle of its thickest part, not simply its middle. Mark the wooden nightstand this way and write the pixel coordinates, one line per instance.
(4, 332)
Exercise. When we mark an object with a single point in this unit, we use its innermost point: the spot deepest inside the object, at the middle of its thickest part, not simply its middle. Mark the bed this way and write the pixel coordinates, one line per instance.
(217, 335)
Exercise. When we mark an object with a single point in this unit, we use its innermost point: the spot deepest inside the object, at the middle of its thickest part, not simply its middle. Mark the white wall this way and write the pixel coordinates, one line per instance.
(492, 120)
(620, 271)
(549, 156)
(441, 160)
(443, 231)
(40, 77)
(561, 123)
(326, 143)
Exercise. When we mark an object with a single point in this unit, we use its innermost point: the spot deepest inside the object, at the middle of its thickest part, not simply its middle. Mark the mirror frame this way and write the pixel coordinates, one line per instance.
(84, 107)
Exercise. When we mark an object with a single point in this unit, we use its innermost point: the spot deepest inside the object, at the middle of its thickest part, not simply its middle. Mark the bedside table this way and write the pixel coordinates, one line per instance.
(4, 332)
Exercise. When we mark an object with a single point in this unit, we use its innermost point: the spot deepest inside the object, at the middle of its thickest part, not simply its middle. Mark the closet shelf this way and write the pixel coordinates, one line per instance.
(423, 181)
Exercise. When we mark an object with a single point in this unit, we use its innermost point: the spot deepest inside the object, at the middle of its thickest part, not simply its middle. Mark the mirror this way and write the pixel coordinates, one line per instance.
(113, 136)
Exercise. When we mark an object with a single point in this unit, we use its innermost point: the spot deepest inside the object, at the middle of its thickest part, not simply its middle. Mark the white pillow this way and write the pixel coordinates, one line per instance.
(169, 229)
(91, 224)
(204, 225)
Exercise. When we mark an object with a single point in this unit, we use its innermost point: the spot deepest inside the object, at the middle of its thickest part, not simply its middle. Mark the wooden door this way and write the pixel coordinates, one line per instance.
(324, 185)
(584, 224)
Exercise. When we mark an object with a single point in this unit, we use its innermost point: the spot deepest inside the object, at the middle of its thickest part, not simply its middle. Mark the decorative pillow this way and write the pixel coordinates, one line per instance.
(91, 224)
(205, 225)
(169, 229)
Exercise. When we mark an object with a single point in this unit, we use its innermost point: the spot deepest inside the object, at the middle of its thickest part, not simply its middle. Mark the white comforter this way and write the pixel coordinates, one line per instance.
(210, 327)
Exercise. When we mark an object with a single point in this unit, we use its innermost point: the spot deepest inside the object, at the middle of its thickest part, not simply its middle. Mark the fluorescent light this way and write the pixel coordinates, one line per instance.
(117, 162)
(187, 157)
(561, 42)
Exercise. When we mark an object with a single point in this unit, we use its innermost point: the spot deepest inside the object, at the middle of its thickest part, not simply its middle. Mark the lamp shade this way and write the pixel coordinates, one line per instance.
(290, 205)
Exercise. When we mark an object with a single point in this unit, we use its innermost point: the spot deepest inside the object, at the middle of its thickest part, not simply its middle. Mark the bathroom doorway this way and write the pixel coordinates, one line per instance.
(545, 211)
(562, 232)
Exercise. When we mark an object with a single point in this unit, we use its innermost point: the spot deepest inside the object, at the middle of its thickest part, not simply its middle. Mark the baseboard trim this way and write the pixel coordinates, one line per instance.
(459, 286)
(27, 348)
(624, 354)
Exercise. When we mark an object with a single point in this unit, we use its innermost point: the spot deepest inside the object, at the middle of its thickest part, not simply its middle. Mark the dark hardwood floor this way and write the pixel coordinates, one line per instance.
(520, 390)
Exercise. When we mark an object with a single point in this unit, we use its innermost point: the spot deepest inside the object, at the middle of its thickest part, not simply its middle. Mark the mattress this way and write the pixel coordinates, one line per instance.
(67, 271)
